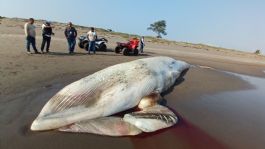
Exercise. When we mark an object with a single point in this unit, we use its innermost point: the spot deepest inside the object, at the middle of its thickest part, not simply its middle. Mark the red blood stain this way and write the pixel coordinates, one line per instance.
(183, 135)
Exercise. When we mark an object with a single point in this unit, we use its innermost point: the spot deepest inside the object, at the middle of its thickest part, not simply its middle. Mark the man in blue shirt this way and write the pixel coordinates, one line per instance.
(70, 34)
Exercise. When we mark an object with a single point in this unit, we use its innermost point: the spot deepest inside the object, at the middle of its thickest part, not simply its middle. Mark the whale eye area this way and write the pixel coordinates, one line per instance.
(172, 64)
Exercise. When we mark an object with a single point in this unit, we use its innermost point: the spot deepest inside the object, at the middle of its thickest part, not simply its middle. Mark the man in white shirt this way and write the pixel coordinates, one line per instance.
(92, 36)
(142, 45)
(30, 33)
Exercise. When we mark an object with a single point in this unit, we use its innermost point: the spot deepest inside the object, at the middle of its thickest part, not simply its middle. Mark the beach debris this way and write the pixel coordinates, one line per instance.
(88, 105)
(205, 67)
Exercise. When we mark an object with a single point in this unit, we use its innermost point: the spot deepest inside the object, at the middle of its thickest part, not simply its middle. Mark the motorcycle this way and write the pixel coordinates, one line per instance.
(100, 43)
(128, 48)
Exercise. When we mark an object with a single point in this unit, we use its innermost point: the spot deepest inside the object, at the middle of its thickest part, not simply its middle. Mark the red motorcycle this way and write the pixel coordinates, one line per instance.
(129, 48)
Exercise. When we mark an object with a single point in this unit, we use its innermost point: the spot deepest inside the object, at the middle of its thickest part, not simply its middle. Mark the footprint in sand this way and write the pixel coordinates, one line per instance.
(18, 65)
(48, 86)
(35, 67)
(13, 73)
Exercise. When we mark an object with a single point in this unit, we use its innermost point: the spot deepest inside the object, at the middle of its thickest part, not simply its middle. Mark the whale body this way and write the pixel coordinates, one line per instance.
(88, 104)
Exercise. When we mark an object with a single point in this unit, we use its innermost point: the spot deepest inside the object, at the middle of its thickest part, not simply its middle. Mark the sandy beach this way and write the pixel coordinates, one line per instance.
(208, 119)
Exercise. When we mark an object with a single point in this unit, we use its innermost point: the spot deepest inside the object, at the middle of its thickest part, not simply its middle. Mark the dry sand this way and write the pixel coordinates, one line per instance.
(28, 81)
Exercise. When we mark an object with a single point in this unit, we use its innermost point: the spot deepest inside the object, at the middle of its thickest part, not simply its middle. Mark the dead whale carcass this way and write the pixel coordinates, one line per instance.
(85, 105)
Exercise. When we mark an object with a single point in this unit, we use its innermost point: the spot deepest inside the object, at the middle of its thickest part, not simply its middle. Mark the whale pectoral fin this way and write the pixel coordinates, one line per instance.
(152, 118)
(109, 126)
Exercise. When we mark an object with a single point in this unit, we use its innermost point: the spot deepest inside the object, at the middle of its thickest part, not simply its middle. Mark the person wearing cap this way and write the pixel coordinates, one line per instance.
(30, 33)
(92, 36)
(46, 36)
(70, 34)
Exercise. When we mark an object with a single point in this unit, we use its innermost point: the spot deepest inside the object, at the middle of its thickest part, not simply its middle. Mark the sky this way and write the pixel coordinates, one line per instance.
(236, 24)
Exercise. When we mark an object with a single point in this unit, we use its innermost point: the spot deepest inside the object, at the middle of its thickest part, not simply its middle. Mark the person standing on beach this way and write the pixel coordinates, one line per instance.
(142, 44)
(92, 36)
(46, 36)
(70, 34)
(30, 33)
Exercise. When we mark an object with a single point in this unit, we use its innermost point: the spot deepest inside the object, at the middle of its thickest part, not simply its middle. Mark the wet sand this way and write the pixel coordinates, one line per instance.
(235, 117)
(208, 118)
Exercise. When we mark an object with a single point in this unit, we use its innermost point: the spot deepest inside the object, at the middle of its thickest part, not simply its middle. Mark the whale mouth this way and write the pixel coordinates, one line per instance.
(184, 72)
(127, 123)
(149, 119)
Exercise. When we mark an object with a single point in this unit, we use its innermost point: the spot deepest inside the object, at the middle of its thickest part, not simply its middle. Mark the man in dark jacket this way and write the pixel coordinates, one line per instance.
(70, 34)
(46, 36)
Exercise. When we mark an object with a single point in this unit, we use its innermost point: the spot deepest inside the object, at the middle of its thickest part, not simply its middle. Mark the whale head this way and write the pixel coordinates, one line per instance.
(167, 70)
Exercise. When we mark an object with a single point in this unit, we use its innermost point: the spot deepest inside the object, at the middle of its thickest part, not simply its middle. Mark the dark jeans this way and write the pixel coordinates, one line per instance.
(142, 48)
(92, 46)
(45, 40)
(71, 44)
(32, 41)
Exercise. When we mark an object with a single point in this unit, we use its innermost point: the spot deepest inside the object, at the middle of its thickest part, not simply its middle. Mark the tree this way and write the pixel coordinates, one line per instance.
(158, 27)
(258, 52)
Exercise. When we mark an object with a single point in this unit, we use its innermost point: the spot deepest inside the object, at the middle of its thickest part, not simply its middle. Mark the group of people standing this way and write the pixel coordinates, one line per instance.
(30, 32)
(70, 34)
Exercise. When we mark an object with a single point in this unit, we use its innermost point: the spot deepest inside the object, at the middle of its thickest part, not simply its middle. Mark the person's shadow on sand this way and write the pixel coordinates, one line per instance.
(65, 54)
(86, 54)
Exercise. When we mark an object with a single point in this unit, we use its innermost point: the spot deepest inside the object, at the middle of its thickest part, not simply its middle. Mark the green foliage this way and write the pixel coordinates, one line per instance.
(258, 52)
(158, 27)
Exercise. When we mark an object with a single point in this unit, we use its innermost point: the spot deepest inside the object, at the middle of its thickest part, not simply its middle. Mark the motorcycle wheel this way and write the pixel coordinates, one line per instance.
(86, 45)
(103, 47)
(118, 49)
(126, 52)
(136, 52)
(80, 44)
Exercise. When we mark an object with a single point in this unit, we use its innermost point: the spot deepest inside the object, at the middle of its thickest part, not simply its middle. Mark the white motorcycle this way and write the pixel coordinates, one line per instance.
(100, 43)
